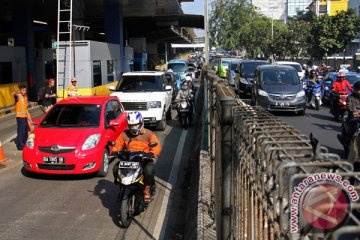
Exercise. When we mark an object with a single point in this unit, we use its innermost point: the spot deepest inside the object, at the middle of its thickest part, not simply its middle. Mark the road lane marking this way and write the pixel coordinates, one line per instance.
(161, 222)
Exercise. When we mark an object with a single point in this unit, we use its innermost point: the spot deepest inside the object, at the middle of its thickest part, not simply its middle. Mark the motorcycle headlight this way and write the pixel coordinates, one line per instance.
(300, 94)
(154, 104)
(91, 141)
(244, 81)
(183, 104)
(262, 93)
(30, 142)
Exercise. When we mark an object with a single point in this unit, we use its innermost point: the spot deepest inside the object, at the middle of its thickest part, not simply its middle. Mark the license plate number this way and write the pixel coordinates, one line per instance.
(184, 110)
(131, 165)
(54, 160)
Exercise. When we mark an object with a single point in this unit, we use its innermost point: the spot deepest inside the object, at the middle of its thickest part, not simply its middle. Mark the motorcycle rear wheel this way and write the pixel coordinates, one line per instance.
(125, 212)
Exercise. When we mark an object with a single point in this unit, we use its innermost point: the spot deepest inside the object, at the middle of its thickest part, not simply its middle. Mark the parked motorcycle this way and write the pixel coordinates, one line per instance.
(130, 177)
(315, 94)
(185, 111)
(338, 105)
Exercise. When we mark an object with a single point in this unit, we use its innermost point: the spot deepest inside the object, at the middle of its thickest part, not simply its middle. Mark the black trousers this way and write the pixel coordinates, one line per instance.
(149, 179)
(22, 132)
(354, 125)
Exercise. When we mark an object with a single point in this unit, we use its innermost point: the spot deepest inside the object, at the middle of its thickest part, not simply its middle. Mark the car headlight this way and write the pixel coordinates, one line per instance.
(91, 141)
(30, 142)
(244, 81)
(300, 94)
(154, 104)
(262, 93)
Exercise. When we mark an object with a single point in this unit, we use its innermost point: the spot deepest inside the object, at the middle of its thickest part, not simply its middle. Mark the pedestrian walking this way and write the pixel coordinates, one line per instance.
(73, 90)
(23, 118)
(50, 95)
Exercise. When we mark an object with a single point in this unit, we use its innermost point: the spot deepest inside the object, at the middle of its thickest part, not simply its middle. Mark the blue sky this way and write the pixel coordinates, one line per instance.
(196, 7)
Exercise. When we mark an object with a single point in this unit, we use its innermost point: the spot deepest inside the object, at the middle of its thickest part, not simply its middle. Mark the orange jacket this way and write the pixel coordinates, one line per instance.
(137, 143)
(21, 103)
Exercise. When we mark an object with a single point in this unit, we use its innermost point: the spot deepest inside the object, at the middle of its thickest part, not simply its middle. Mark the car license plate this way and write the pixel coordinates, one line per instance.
(54, 160)
(184, 110)
(131, 165)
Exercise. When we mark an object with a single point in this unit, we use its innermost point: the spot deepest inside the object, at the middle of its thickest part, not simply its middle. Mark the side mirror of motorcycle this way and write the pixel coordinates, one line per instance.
(153, 144)
(111, 143)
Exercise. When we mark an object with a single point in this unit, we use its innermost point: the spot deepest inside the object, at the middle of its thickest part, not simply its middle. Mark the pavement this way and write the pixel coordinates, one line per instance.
(13, 157)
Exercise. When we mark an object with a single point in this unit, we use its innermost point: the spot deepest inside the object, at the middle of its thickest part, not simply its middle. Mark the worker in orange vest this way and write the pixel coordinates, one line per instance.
(22, 117)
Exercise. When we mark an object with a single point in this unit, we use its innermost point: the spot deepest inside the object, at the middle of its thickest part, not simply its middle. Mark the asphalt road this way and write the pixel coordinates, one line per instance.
(320, 123)
(86, 207)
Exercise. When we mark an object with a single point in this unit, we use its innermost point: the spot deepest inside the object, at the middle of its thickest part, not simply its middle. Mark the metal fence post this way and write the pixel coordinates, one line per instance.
(227, 103)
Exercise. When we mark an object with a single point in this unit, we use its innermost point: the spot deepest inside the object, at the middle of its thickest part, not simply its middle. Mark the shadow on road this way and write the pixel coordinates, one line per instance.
(108, 192)
(323, 117)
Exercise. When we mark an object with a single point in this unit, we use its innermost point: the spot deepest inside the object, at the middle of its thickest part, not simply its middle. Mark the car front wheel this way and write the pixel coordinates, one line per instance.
(162, 124)
(104, 164)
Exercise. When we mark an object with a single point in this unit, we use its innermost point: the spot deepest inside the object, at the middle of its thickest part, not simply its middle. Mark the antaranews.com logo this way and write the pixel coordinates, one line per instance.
(322, 200)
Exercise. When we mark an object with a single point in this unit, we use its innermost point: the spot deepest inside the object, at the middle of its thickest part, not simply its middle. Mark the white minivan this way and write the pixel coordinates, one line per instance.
(297, 66)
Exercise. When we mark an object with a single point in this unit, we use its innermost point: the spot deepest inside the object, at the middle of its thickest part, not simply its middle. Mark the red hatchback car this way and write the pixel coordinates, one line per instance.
(72, 138)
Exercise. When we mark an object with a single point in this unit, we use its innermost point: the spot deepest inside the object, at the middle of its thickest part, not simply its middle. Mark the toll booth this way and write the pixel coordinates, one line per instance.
(92, 64)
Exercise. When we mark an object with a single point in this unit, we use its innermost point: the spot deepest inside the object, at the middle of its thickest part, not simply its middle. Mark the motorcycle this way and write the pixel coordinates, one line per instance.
(130, 177)
(185, 111)
(338, 107)
(315, 95)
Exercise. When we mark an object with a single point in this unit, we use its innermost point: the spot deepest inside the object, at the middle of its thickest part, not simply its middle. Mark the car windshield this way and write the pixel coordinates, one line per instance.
(248, 69)
(296, 66)
(280, 77)
(73, 115)
(177, 67)
(353, 78)
(140, 83)
(225, 64)
(234, 65)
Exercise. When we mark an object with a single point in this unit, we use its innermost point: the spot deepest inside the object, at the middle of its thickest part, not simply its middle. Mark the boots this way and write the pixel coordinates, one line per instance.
(147, 196)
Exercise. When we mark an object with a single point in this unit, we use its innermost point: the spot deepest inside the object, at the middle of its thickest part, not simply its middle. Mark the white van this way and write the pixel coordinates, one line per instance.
(297, 66)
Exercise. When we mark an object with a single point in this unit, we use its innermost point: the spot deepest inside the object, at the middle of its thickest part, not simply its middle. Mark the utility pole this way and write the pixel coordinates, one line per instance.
(206, 26)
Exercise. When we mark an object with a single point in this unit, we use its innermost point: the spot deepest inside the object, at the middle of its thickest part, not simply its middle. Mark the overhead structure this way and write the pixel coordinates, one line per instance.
(185, 45)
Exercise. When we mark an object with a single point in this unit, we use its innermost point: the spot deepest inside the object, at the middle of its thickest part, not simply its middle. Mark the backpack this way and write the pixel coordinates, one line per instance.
(41, 95)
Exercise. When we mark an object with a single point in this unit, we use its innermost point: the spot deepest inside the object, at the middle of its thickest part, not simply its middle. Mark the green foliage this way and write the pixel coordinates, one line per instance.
(235, 24)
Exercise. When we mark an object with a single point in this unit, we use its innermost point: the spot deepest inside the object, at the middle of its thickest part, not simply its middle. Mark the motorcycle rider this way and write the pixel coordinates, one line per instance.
(185, 92)
(353, 108)
(341, 85)
(312, 79)
(137, 138)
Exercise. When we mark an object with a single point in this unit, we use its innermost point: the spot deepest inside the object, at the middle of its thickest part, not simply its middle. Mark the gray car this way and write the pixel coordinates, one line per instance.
(278, 88)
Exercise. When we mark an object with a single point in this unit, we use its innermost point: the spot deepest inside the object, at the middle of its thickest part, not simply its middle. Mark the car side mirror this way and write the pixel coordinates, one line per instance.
(112, 88)
(168, 88)
(113, 123)
(153, 144)
(36, 121)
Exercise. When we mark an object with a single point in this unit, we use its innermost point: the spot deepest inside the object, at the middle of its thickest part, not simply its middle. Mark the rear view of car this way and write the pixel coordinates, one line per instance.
(72, 138)
(297, 66)
(278, 88)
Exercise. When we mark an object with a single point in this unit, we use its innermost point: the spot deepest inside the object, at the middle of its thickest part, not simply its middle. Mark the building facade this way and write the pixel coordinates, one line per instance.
(274, 9)
(296, 6)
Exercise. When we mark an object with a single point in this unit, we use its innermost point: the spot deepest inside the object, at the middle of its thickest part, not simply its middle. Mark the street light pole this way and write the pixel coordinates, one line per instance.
(206, 28)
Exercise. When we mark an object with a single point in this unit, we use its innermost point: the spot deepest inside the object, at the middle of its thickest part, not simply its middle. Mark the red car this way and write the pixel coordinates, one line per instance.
(72, 138)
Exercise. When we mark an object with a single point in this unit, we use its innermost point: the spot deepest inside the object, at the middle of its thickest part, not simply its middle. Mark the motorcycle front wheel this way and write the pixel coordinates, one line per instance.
(126, 215)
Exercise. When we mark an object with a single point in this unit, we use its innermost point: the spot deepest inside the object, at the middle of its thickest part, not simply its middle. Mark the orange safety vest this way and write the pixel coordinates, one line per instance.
(21, 106)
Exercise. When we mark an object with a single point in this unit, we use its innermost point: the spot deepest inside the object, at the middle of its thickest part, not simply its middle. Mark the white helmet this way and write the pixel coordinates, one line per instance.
(135, 123)
(188, 78)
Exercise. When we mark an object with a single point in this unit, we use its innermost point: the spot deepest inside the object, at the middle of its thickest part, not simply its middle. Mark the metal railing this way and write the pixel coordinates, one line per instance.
(257, 161)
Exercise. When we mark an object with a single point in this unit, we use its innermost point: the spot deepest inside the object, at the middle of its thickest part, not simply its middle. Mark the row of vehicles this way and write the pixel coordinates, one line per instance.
(72, 138)
(77, 134)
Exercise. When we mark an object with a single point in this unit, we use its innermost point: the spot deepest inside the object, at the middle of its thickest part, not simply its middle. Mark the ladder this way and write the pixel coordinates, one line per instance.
(64, 46)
